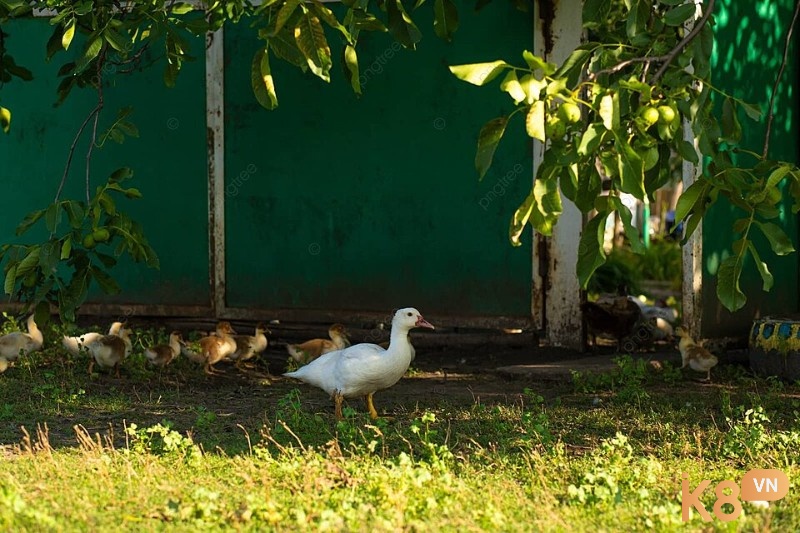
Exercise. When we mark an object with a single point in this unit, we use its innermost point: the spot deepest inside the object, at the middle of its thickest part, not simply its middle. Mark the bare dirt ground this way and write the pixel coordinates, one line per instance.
(454, 369)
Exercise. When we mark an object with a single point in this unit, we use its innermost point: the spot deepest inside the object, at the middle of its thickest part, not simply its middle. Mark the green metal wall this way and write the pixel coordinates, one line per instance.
(169, 161)
(747, 56)
(335, 202)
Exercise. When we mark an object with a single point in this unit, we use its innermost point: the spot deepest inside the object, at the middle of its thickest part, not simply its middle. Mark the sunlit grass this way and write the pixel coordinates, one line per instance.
(166, 451)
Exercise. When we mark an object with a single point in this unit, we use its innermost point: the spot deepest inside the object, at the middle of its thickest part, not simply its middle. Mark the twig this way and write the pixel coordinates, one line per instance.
(100, 103)
(72, 151)
(778, 79)
(686, 40)
(619, 66)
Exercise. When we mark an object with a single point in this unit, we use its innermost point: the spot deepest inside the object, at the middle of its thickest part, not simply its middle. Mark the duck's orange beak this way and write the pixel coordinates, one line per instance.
(422, 323)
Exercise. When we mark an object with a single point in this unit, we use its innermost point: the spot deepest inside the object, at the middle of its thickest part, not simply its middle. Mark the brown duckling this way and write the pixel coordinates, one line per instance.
(162, 354)
(308, 351)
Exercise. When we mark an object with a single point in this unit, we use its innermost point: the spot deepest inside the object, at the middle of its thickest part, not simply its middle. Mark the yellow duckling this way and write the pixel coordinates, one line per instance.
(694, 355)
(19, 342)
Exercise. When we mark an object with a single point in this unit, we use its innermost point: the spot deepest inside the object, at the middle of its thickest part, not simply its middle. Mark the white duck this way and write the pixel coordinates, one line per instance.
(363, 369)
(110, 350)
(18, 342)
(76, 345)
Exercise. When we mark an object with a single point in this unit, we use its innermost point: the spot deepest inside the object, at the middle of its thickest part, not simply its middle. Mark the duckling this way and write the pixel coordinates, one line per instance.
(308, 351)
(248, 346)
(213, 348)
(110, 350)
(76, 345)
(3, 364)
(161, 355)
(694, 355)
(18, 342)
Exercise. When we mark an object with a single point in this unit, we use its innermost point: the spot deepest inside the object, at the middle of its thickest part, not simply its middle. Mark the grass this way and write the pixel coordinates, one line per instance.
(177, 451)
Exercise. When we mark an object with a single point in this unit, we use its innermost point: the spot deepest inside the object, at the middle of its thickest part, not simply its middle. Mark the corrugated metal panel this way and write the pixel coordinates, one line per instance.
(747, 58)
(336, 203)
(169, 160)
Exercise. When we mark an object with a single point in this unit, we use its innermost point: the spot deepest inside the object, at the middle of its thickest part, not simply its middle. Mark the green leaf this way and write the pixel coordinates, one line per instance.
(29, 220)
(780, 243)
(519, 219)
(11, 280)
(445, 21)
(330, 19)
(93, 48)
(595, 12)
(773, 180)
(285, 47)
(107, 203)
(479, 73)
(534, 121)
(687, 152)
(634, 237)
(591, 139)
(731, 129)
(537, 63)
(609, 112)
(286, 11)
(181, 8)
(637, 18)
(489, 137)
(66, 248)
(120, 175)
(5, 119)
(752, 111)
(631, 169)
(728, 291)
(75, 213)
(401, 26)
(590, 185)
(52, 217)
(572, 67)
(69, 33)
(118, 42)
(107, 284)
(261, 80)
(590, 248)
(310, 38)
(678, 15)
(132, 193)
(49, 256)
(351, 68)
(512, 86)
(30, 261)
(548, 207)
(689, 199)
(766, 276)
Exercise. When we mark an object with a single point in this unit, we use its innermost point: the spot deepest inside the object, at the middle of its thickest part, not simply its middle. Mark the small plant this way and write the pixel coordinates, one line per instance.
(205, 418)
(437, 455)
(161, 439)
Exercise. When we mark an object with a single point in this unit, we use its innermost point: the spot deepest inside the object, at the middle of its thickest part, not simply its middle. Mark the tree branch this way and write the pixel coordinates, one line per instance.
(770, 115)
(619, 66)
(666, 59)
(72, 151)
(686, 40)
(100, 103)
